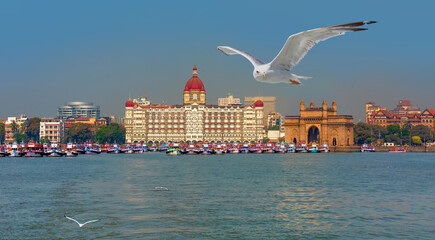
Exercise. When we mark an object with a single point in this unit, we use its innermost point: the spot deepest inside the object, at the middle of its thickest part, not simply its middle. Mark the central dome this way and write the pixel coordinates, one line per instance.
(194, 82)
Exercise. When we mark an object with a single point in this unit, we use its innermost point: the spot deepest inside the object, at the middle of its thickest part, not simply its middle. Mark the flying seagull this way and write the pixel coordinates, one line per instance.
(296, 47)
(80, 224)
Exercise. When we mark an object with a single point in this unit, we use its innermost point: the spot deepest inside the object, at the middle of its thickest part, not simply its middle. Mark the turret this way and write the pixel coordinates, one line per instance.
(324, 105)
(334, 106)
(311, 104)
(302, 105)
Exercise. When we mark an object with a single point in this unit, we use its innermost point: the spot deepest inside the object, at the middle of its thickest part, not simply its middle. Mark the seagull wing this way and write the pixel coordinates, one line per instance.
(298, 45)
(72, 219)
(90, 221)
(233, 51)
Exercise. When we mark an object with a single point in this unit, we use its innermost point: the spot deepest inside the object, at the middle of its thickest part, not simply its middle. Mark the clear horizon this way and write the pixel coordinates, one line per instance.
(56, 52)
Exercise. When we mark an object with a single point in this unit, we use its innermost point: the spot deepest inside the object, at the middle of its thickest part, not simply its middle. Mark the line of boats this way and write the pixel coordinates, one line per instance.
(33, 149)
(235, 148)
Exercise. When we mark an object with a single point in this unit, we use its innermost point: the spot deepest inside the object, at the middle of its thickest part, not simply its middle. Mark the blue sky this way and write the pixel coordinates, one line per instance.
(52, 52)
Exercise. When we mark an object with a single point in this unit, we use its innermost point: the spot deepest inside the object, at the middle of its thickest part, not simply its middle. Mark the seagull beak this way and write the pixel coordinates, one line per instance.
(263, 74)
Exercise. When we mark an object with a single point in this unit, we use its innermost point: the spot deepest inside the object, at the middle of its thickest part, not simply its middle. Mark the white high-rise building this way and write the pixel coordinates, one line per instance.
(228, 101)
(79, 109)
(52, 129)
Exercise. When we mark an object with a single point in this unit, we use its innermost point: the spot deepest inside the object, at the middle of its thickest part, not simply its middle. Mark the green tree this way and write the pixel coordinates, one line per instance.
(44, 140)
(23, 127)
(32, 130)
(20, 137)
(110, 134)
(14, 126)
(79, 132)
(274, 127)
(281, 139)
(2, 132)
(266, 140)
(416, 140)
(393, 129)
(422, 131)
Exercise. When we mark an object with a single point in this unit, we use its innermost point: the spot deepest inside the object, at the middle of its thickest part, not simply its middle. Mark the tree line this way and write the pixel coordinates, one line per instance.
(405, 135)
(79, 132)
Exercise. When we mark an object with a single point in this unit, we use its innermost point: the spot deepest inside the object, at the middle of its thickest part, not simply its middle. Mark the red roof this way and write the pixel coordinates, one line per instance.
(129, 103)
(82, 119)
(258, 103)
(194, 82)
(431, 111)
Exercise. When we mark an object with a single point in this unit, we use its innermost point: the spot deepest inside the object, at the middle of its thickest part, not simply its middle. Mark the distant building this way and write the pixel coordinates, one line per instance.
(405, 107)
(10, 130)
(79, 109)
(404, 113)
(52, 129)
(117, 119)
(228, 101)
(320, 125)
(370, 109)
(269, 105)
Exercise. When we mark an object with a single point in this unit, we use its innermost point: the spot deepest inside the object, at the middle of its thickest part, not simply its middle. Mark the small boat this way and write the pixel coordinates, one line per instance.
(34, 150)
(15, 150)
(397, 150)
(92, 149)
(71, 150)
(367, 148)
(291, 148)
(114, 149)
(302, 148)
(324, 148)
(173, 149)
(280, 148)
(312, 148)
(244, 148)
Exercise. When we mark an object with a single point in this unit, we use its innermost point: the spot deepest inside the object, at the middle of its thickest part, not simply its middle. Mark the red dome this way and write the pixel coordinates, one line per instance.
(258, 103)
(194, 82)
(129, 103)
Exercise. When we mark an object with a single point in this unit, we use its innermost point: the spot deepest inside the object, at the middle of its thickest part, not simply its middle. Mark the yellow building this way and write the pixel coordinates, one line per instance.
(320, 125)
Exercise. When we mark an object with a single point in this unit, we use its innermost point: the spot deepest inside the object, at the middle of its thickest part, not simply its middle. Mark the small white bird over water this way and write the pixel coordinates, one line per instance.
(81, 224)
(296, 47)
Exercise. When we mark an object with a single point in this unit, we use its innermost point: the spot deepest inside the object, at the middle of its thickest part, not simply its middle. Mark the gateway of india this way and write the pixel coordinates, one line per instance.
(320, 125)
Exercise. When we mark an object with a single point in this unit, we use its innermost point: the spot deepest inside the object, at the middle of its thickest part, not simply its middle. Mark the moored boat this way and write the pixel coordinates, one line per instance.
(397, 150)
(367, 148)
(70, 150)
(173, 149)
(34, 150)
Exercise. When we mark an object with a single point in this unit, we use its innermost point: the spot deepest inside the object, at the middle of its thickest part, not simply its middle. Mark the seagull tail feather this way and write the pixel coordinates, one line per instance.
(296, 79)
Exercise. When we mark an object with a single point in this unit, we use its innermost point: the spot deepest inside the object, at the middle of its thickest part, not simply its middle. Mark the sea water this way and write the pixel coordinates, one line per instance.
(244, 196)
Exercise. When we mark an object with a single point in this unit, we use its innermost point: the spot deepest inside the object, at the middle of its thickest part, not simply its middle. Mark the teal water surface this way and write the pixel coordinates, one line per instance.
(266, 196)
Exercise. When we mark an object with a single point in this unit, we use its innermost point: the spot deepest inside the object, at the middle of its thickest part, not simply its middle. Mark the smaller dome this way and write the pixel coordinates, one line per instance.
(129, 103)
(258, 103)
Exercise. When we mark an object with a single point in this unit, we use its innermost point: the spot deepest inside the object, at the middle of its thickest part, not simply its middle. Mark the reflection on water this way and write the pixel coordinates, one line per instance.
(152, 196)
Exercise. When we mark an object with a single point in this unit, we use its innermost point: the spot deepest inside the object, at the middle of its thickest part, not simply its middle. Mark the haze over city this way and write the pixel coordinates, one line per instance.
(54, 52)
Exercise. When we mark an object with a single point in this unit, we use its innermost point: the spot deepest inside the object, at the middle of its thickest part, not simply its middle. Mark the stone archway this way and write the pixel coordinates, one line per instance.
(313, 134)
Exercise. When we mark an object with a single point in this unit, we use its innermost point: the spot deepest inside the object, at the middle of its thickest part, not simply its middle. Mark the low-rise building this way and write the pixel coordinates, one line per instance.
(14, 125)
(52, 129)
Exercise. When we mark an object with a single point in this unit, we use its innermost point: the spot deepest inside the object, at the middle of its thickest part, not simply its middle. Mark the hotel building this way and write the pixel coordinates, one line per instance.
(194, 120)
